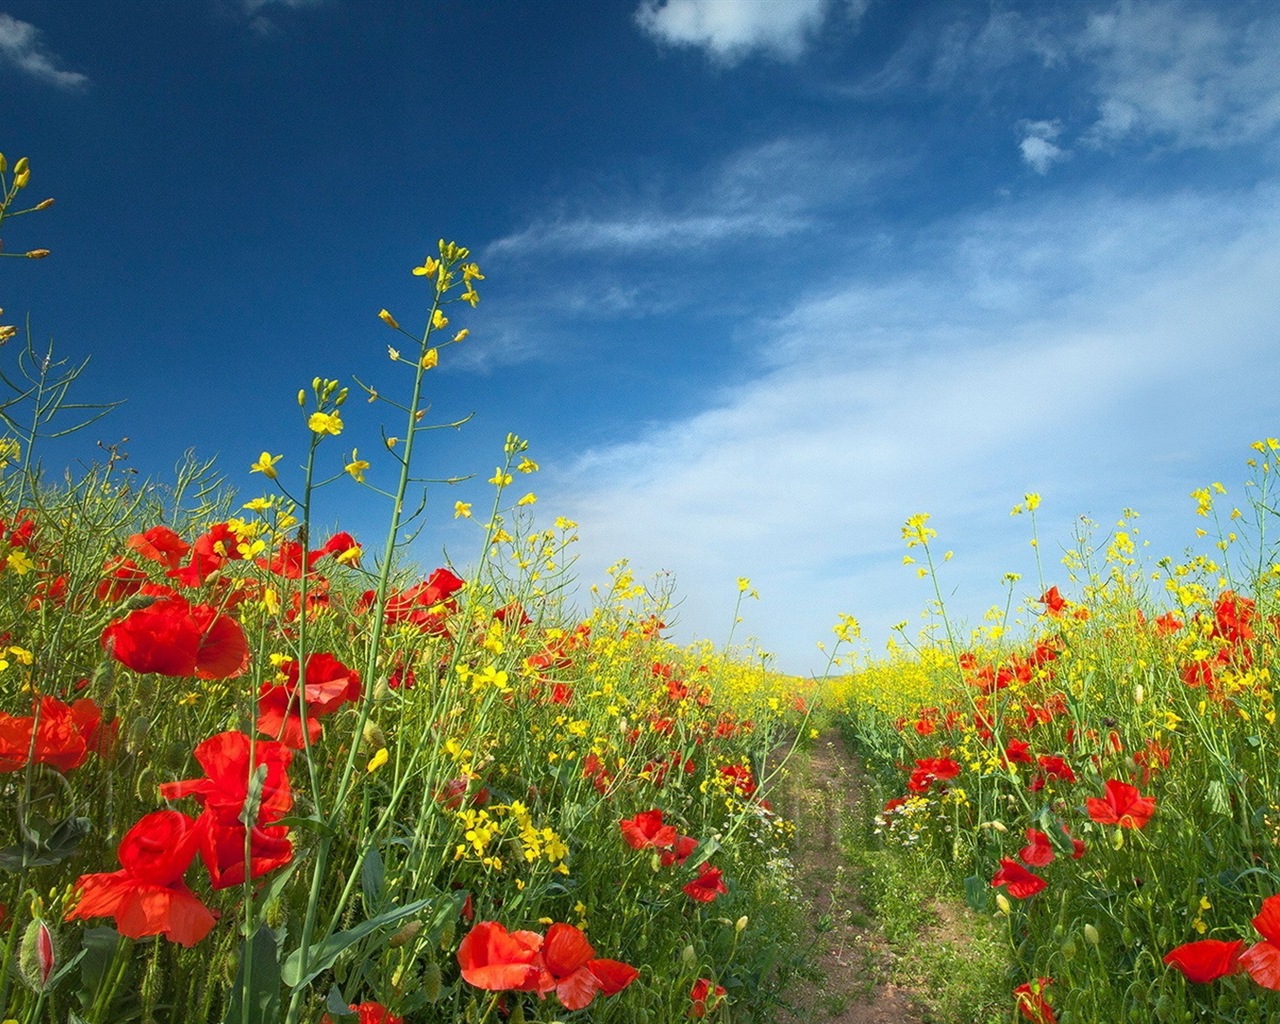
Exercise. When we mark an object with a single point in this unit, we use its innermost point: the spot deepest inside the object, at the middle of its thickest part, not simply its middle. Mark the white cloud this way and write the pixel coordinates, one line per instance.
(729, 30)
(769, 191)
(1183, 76)
(21, 47)
(1038, 147)
(257, 12)
(1109, 342)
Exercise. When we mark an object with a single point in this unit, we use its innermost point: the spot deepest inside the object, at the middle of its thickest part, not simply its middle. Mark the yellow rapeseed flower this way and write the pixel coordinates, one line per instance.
(356, 467)
(388, 319)
(325, 423)
(461, 510)
(266, 465)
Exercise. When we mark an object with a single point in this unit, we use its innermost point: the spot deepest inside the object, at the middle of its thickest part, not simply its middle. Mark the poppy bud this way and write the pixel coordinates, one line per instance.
(38, 955)
(405, 934)
(1091, 934)
(431, 981)
(1138, 694)
(740, 925)
(374, 736)
(1002, 902)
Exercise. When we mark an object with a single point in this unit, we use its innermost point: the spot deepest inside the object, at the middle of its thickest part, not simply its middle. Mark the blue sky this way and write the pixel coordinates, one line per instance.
(763, 278)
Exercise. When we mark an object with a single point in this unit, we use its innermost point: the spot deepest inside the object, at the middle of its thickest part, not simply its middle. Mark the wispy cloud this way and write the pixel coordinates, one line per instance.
(1155, 72)
(21, 47)
(258, 12)
(941, 393)
(730, 30)
(769, 191)
(1187, 77)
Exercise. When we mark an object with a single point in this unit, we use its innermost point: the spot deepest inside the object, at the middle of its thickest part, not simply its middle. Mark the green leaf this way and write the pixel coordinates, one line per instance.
(324, 954)
(258, 1001)
(63, 841)
(253, 799)
(99, 945)
(976, 891)
(373, 879)
(337, 1007)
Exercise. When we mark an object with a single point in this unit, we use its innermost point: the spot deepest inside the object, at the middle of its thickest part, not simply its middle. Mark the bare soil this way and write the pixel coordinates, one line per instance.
(853, 957)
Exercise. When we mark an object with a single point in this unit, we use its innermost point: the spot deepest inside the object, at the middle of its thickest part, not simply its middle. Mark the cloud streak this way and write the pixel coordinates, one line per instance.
(21, 47)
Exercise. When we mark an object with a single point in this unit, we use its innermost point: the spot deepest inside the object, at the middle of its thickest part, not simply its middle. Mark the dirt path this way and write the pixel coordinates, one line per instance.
(853, 959)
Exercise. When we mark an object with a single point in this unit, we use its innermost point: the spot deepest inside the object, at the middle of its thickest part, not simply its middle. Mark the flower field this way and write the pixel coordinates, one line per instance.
(1106, 782)
(253, 771)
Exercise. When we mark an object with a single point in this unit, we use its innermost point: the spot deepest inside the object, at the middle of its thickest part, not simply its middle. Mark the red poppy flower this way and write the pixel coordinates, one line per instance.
(160, 544)
(285, 560)
(58, 734)
(173, 637)
(646, 830)
(513, 614)
(739, 777)
(342, 546)
(1056, 767)
(1021, 882)
(684, 846)
(1262, 959)
(704, 997)
(148, 896)
(327, 685)
(1039, 851)
(425, 605)
(66, 734)
(1029, 998)
(707, 886)
(15, 741)
(228, 769)
(369, 1013)
(1206, 960)
(1053, 601)
(571, 969)
(930, 770)
(1233, 617)
(1123, 805)
(1018, 752)
(223, 851)
(121, 578)
(496, 960)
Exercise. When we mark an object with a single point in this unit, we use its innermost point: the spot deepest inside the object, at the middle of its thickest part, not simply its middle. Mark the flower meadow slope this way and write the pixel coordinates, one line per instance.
(1106, 784)
(255, 773)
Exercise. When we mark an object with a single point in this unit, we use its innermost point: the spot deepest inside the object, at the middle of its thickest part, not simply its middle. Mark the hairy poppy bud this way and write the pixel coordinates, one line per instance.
(38, 955)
